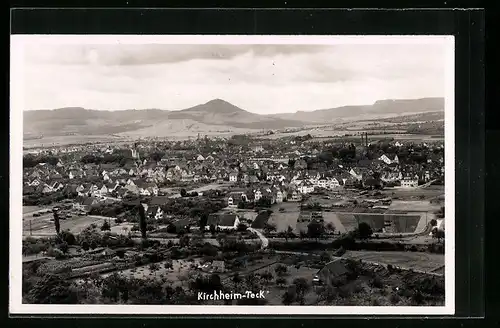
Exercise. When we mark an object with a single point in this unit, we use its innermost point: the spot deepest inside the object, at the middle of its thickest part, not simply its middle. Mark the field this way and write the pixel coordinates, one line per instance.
(69, 140)
(177, 275)
(418, 194)
(348, 221)
(42, 226)
(413, 206)
(412, 260)
(31, 209)
(285, 219)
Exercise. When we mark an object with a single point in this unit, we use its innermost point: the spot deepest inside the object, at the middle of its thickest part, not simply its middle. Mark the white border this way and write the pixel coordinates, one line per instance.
(16, 171)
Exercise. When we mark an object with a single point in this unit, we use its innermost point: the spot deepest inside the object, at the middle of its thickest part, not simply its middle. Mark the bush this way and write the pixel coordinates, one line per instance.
(394, 299)
(377, 283)
(105, 226)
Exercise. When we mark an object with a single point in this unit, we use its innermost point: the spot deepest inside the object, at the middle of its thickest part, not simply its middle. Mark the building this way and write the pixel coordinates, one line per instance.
(233, 177)
(155, 212)
(409, 183)
(218, 267)
(330, 271)
(227, 221)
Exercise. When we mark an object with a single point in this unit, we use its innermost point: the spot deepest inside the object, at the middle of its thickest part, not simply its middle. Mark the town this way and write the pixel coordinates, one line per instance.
(346, 220)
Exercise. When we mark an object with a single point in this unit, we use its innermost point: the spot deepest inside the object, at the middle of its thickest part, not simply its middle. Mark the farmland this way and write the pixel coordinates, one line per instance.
(410, 260)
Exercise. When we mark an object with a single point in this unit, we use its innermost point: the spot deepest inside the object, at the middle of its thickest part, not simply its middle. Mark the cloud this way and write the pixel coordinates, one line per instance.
(259, 78)
(151, 54)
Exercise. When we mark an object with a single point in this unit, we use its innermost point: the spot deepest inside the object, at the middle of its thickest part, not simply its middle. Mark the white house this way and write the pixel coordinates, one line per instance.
(333, 183)
(409, 183)
(233, 177)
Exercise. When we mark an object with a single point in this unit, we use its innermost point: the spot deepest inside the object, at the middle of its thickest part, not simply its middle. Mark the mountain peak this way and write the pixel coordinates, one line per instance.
(215, 106)
(218, 101)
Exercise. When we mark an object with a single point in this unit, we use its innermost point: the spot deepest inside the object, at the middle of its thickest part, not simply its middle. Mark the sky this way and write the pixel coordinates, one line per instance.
(263, 79)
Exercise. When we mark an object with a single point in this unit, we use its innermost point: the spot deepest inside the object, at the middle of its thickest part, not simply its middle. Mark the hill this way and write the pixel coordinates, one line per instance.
(214, 117)
(380, 109)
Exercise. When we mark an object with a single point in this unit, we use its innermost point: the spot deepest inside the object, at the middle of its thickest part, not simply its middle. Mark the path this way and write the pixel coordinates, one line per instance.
(264, 240)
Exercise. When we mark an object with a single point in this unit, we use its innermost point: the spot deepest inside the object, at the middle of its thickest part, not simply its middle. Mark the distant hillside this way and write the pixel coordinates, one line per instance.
(213, 117)
(380, 109)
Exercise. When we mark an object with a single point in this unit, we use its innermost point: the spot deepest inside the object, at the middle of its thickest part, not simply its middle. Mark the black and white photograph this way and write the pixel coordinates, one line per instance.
(232, 174)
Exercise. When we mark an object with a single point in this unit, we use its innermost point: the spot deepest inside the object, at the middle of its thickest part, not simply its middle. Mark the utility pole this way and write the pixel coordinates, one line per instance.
(31, 232)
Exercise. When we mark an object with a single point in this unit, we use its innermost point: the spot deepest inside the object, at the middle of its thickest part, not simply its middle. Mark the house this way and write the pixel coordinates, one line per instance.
(74, 174)
(333, 183)
(332, 270)
(155, 212)
(200, 158)
(389, 158)
(85, 204)
(233, 177)
(306, 187)
(279, 196)
(218, 267)
(258, 149)
(46, 189)
(257, 195)
(355, 175)
(34, 183)
(227, 221)
(409, 183)
(235, 197)
(295, 196)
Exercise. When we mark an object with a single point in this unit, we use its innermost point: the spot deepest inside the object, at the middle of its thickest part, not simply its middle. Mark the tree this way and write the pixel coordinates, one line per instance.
(289, 233)
(56, 221)
(433, 222)
(153, 267)
(302, 287)
(364, 230)
(330, 227)
(203, 222)
(105, 226)
(213, 229)
(315, 229)
(269, 227)
(142, 221)
(438, 234)
(169, 265)
(251, 279)
(64, 247)
(267, 277)
(52, 289)
(280, 270)
(184, 241)
(242, 227)
(325, 257)
(281, 281)
(236, 278)
(440, 213)
(171, 228)
(289, 296)
(68, 237)
(183, 193)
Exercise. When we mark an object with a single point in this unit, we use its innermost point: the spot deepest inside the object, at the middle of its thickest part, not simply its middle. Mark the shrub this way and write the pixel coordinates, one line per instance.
(377, 283)
(394, 299)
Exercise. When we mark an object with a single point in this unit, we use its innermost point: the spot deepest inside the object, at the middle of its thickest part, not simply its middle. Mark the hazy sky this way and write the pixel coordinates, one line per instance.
(262, 79)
